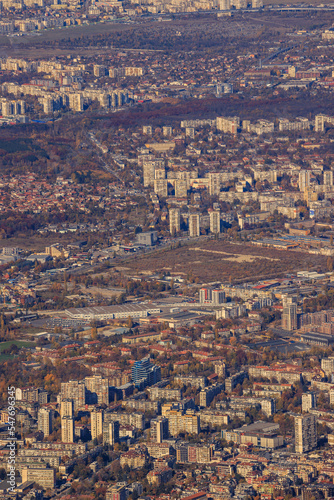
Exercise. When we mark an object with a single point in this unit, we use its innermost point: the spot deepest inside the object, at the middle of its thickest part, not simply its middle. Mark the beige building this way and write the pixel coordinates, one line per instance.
(45, 421)
(66, 408)
(44, 476)
(67, 430)
(194, 227)
(96, 423)
(182, 422)
(174, 220)
(214, 221)
(161, 187)
(228, 124)
(214, 183)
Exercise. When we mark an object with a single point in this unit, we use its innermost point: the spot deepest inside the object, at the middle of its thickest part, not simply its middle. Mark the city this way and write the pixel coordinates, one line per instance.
(167, 255)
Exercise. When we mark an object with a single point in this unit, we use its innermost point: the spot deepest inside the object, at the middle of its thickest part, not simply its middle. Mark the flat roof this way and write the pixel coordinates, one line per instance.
(110, 309)
(259, 426)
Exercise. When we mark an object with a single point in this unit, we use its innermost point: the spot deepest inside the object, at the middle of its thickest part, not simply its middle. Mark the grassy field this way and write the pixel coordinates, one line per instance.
(6, 345)
(51, 35)
(222, 261)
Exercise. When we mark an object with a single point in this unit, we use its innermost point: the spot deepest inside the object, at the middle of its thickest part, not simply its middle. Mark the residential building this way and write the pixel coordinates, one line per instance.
(194, 227)
(305, 433)
(174, 220)
(97, 389)
(117, 491)
(110, 431)
(308, 401)
(159, 429)
(67, 430)
(45, 421)
(145, 373)
(178, 421)
(214, 221)
(96, 423)
(66, 408)
(44, 476)
(74, 390)
(289, 316)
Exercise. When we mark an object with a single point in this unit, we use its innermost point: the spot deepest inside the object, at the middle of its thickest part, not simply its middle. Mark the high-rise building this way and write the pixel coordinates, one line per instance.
(167, 131)
(268, 406)
(214, 221)
(178, 421)
(304, 180)
(228, 124)
(110, 431)
(289, 316)
(305, 433)
(214, 183)
(327, 365)
(45, 421)
(96, 423)
(218, 297)
(190, 132)
(76, 102)
(205, 295)
(186, 176)
(145, 373)
(308, 401)
(174, 220)
(328, 178)
(66, 408)
(319, 124)
(181, 188)
(97, 389)
(331, 396)
(159, 429)
(147, 130)
(74, 390)
(220, 369)
(67, 430)
(160, 173)
(99, 70)
(161, 187)
(148, 173)
(193, 222)
(210, 295)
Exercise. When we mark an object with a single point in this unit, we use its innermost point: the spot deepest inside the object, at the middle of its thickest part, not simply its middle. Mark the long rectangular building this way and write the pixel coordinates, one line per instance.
(112, 312)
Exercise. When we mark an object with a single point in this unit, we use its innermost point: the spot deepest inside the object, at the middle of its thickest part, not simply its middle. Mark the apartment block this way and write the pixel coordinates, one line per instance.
(305, 433)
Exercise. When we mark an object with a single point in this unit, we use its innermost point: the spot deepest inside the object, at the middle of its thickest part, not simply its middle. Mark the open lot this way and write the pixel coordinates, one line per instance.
(221, 261)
